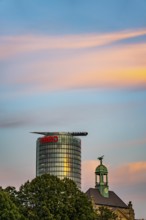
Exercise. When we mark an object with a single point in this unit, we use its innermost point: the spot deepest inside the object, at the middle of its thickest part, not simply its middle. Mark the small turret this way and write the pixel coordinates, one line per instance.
(101, 179)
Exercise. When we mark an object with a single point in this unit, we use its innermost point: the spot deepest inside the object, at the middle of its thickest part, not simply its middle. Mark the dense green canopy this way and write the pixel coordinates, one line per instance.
(8, 210)
(49, 198)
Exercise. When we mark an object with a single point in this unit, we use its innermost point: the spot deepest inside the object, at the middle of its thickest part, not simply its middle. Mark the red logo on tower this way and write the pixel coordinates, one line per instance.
(49, 139)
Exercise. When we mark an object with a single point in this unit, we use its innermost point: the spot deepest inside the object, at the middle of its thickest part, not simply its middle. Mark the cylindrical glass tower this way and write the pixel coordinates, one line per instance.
(59, 154)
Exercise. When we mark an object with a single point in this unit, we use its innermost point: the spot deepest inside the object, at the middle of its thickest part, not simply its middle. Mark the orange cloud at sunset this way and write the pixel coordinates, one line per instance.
(137, 167)
(134, 173)
(119, 66)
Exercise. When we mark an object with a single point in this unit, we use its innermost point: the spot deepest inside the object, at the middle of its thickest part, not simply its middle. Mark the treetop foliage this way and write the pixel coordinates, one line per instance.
(48, 198)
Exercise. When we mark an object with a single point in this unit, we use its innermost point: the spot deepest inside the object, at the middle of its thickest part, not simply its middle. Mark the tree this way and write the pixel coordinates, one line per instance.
(13, 194)
(49, 198)
(104, 213)
(8, 209)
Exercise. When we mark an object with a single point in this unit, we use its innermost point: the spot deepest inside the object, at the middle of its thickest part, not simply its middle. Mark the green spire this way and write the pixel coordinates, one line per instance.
(101, 178)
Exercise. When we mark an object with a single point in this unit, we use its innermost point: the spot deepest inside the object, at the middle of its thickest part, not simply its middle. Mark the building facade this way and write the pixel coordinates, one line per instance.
(102, 196)
(59, 154)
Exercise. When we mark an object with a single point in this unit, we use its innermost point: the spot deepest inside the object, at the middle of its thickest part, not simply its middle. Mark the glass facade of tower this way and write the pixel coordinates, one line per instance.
(60, 155)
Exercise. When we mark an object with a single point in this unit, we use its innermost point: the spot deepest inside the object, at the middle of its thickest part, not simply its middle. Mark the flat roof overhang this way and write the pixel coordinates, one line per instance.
(62, 133)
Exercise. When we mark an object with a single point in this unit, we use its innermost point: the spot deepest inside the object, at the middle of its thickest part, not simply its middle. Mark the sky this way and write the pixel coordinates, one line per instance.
(75, 66)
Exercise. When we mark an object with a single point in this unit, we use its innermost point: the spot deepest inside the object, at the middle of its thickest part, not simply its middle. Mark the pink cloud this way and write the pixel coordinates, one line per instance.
(134, 173)
(125, 175)
(15, 45)
(116, 67)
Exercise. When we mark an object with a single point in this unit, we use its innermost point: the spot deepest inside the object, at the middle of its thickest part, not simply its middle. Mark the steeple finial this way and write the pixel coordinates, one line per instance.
(100, 158)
